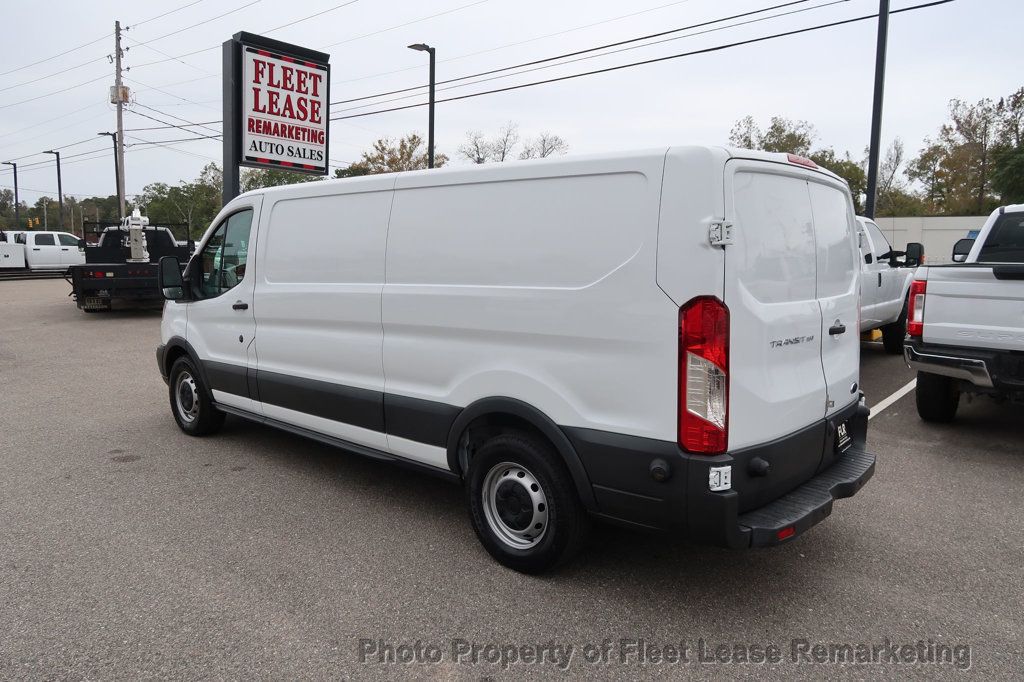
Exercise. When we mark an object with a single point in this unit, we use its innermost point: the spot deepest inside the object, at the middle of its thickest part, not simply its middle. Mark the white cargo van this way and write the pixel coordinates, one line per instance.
(665, 339)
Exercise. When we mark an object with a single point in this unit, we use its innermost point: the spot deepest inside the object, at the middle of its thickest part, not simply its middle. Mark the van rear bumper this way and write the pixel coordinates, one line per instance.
(758, 511)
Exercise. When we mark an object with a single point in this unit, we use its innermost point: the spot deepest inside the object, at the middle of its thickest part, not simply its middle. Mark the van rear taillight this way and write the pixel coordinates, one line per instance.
(915, 311)
(704, 376)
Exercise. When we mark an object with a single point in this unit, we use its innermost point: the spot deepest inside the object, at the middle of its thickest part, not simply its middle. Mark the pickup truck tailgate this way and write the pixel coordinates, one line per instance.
(967, 305)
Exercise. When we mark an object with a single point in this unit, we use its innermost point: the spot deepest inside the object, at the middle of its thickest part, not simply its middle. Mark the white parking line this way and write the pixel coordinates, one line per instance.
(877, 409)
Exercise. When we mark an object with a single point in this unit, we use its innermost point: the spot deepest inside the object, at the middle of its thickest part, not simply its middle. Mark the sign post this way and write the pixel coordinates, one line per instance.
(276, 108)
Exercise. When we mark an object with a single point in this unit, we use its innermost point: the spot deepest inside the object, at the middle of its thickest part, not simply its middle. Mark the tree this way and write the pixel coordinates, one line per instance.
(388, 156)
(544, 145)
(782, 135)
(1008, 175)
(257, 178)
(797, 137)
(194, 203)
(478, 149)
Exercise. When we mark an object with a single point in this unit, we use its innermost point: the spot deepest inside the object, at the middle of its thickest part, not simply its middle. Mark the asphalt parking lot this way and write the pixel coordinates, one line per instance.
(130, 550)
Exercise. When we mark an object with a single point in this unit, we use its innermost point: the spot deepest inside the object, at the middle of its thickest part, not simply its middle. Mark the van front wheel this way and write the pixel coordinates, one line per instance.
(190, 403)
(523, 504)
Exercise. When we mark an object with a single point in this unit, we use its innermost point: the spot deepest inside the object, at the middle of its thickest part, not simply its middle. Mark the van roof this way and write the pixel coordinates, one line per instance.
(515, 168)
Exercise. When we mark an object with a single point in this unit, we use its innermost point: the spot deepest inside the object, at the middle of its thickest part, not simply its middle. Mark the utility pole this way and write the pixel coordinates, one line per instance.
(117, 175)
(60, 190)
(17, 205)
(119, 99)
(876, 110)
(46, 206)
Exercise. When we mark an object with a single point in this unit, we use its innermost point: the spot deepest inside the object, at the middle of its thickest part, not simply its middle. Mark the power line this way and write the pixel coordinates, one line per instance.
(59, 54)
(161, 16)
(408, 23)
(521, 42)
(606, 54)
(172, 125)
(55, 92)
(590, 49)
(163, 143)
(271, 30)
(179, 118)
(312, 16)
(93, 42)
(202, 23)
(691, 53)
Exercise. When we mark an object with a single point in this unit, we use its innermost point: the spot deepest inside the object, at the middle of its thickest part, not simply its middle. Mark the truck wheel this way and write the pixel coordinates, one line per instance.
(893, 335)
(937, 398)
(190, 404)
(523, 504)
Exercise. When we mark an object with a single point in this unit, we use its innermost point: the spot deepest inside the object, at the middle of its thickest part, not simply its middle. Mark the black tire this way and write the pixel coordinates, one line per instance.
(893, 335)
(937, 398)
(190, 403)
(508, 465)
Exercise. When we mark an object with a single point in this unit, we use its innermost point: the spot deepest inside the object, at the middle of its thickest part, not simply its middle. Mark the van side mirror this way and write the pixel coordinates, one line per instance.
(914, 255)
(961, 249)
(172, 286)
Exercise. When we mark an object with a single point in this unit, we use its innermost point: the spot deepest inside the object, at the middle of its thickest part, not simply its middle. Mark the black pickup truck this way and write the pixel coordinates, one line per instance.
(109, 275)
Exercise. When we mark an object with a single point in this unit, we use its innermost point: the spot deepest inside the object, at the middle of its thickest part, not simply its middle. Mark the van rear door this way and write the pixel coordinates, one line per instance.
(776, 379)
(837, 278)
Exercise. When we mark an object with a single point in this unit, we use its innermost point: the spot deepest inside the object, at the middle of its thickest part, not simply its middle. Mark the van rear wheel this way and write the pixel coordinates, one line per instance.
(937, 398)
(523, 504)
(190, 403)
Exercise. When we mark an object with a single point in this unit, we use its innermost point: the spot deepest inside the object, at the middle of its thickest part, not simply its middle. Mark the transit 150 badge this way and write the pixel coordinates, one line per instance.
(284, 111)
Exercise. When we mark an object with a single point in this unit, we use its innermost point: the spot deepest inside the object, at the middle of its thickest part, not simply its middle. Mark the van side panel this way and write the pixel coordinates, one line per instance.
(691, 199)
(501, 283)
(318, 334)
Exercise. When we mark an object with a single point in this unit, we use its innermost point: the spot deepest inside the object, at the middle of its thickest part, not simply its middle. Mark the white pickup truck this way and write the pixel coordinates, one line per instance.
(39, 250)
(966, 324)
(884, 283)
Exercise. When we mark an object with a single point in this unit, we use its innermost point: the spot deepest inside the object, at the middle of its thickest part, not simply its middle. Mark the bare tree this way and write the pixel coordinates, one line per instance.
(476, 148)
(544, 145)
(503, 144)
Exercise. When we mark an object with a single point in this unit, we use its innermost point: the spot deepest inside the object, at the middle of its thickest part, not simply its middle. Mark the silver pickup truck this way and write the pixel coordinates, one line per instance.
(965, 328)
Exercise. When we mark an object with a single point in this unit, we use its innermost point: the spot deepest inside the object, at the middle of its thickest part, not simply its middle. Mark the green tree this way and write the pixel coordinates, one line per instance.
(257, 178)
(1008, 175)
(390, 156)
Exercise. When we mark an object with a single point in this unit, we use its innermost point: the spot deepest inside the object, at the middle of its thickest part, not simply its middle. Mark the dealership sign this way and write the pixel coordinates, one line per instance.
(277, 105)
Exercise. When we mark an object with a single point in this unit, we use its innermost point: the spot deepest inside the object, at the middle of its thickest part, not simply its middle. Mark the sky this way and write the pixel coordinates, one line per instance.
(958, 50)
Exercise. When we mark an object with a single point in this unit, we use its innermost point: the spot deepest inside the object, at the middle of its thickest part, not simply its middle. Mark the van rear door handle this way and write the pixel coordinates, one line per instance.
(837, 328)
(240, 305)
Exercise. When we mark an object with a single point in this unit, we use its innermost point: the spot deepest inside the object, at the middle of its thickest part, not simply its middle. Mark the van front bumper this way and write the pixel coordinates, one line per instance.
(760, 508)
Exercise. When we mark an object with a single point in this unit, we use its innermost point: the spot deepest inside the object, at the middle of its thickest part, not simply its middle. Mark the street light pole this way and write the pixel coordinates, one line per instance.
(423, 47)
(117, 178)
(17, 204)
(60, 191)
(876, 110)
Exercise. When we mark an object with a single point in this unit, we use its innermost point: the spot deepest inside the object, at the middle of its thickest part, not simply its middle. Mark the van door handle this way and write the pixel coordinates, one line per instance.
(240, 305)
(879, 279)
(837, 329)
(35, 248)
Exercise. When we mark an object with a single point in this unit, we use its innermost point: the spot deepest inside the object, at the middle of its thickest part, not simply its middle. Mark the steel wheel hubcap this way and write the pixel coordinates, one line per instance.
(515, 505)
(187, 397)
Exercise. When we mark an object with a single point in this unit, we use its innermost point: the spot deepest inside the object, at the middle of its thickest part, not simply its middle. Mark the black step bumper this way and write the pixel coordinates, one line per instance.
(805, 474)
(810, 503)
